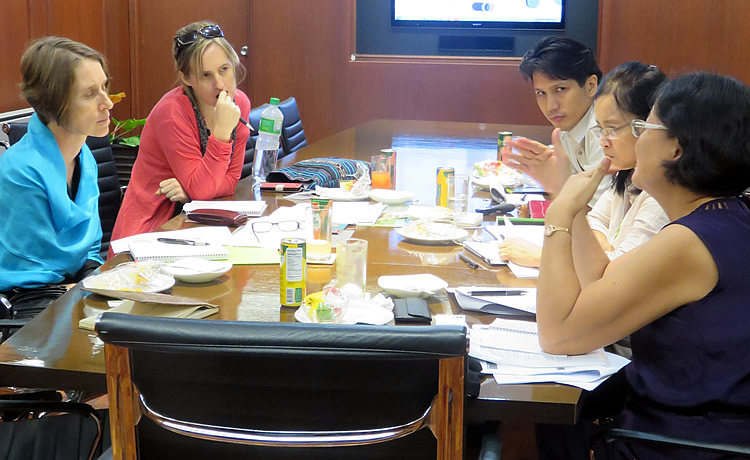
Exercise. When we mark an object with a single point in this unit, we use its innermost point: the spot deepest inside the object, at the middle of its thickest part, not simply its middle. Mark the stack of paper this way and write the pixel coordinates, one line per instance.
(510, 351)
(204, 234)
(506, 301)
(532, 233)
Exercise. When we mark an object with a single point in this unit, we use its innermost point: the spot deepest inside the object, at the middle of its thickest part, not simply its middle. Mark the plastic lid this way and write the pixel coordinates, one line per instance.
(274, 101)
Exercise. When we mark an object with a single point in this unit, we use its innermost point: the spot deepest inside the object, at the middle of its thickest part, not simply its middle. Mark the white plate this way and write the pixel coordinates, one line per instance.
(196, 270)
(372, 315)
(159, 282)
(339, 194)
(423, 285)
(432, 232)
(391, 196)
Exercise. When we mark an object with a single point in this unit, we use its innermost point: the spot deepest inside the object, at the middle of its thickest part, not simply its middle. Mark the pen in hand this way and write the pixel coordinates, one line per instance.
(247, 123)
(181, 241)
(473, 265)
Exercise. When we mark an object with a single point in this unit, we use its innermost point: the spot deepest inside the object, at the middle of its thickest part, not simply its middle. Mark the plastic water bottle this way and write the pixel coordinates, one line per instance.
(267, 144)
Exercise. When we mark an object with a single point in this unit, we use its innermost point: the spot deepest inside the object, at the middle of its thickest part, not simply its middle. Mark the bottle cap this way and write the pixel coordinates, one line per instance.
(274, 101)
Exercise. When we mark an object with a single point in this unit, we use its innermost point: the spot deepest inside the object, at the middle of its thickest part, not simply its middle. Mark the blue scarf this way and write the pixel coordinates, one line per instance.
(44, 235)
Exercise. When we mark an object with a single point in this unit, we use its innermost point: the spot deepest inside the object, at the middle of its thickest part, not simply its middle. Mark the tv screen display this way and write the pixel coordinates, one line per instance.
(509, 14)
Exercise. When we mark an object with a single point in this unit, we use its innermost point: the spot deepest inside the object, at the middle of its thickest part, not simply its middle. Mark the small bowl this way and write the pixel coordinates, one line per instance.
(196, 270)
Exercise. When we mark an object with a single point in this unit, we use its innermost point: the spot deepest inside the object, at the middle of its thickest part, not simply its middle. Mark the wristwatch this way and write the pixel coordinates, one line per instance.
(550, 229)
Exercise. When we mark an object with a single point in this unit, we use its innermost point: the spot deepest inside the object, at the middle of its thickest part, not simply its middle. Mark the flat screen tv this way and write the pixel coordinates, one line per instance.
(468, 14)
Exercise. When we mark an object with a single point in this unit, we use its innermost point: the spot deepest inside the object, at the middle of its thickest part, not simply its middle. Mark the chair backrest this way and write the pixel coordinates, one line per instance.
(71, 431)
(16, 131)
(292, 133)
(272, 390)
(110, 194)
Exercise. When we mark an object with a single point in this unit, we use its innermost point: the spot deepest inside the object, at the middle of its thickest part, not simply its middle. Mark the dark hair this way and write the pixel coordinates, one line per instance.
(634, 86)
(48, 68)
(562, 58)
(709, 115)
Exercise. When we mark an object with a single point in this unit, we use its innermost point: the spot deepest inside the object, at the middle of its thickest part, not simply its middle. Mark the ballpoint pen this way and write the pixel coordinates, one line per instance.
(181, 241)
(473, 265)
(498, 293)
(247, 123)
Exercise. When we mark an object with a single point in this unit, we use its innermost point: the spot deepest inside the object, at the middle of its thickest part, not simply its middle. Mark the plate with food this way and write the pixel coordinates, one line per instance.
(315, 310)
(428, 232)
(146, 276)
(487, 171)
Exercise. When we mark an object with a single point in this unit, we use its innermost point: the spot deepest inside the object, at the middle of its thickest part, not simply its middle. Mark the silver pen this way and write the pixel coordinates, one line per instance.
(181, 241)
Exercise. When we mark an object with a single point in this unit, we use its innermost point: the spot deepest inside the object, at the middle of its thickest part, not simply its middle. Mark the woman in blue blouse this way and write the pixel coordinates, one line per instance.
(49, 218)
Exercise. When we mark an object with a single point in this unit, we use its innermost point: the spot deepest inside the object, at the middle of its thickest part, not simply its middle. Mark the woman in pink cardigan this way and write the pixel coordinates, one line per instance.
(193, 144)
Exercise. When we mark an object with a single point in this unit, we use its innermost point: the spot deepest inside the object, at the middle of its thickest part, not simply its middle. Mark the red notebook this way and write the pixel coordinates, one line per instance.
(537, 209)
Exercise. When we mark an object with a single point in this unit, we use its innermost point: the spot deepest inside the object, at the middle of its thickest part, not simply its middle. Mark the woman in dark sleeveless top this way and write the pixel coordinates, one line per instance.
(683, 295)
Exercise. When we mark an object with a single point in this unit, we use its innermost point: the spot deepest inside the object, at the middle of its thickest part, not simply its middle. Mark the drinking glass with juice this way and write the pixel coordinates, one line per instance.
(319, 241)
(380, 172)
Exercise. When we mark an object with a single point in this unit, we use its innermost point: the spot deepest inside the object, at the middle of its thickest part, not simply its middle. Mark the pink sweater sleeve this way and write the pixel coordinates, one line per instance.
(217, 172)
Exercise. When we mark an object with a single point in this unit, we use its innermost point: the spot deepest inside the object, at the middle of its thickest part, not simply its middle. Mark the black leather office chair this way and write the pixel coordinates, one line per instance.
(110, 192)
(292, 133)
(16, 130)
(44, 430)
(227, 389)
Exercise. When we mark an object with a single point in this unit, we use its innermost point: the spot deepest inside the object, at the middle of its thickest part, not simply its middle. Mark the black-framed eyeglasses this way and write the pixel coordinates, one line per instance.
(188, 38)
(639, 126)
(607, 133)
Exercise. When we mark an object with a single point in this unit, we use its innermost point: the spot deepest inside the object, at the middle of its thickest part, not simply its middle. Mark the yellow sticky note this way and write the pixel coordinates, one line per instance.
(240, 255)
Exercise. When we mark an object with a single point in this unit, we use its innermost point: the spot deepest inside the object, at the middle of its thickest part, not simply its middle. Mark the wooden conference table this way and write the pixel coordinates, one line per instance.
(51, 351)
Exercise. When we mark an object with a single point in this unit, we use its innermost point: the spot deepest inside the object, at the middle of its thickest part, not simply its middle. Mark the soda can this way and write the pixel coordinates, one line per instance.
(502, 140)
(293, 254)
(391, 155)
(442, 185)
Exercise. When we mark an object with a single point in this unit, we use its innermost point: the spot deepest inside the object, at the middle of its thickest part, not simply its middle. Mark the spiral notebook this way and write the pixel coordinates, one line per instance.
(154, 250)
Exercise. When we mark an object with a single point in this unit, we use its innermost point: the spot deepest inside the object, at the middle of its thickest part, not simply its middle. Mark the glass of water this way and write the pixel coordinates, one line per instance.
(458, 192)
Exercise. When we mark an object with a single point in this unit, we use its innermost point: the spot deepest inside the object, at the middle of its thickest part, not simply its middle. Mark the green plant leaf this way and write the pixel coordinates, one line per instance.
(132, 141)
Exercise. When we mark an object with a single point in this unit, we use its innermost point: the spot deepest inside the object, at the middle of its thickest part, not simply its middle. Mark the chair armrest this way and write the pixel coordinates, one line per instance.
(651, 438)
(272, 438)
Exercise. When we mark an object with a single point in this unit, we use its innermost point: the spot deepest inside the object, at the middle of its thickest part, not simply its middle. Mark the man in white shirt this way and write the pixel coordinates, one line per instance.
(565, 75)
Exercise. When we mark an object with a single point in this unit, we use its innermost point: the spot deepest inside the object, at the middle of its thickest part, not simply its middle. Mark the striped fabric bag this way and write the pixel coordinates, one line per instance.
(324, 172)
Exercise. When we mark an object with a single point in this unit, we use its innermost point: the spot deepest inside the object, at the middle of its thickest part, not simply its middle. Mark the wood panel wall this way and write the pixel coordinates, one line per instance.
(101, 24)
(679, 36)
(303, 48)
(152, 28)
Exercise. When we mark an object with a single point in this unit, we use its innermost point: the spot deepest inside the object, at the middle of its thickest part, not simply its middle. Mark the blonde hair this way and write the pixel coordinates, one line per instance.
(190, 57)
(48, 68)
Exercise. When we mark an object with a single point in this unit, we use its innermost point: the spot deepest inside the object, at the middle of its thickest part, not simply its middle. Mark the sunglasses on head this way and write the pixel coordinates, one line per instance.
(188, 38)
